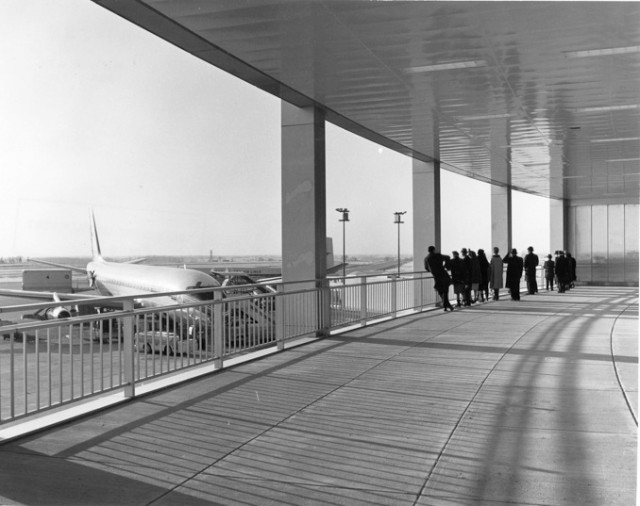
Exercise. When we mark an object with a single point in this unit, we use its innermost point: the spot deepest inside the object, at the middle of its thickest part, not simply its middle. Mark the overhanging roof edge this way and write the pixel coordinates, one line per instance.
(146, 17)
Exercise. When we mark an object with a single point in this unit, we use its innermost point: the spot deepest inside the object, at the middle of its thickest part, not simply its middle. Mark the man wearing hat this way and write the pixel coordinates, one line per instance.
(514, 273)
(530, 264)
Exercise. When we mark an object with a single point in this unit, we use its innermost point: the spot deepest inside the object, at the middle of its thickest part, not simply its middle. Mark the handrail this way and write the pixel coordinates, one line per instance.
(58, 362)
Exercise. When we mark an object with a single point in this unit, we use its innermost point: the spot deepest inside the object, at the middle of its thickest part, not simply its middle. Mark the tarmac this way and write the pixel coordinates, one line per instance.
(520, 403)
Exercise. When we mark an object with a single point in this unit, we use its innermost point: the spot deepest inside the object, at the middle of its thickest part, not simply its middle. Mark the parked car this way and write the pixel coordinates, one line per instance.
(167, 343)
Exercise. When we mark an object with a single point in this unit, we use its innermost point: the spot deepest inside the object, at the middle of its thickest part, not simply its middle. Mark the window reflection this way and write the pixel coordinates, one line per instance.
(605, 242)
(599, 237)
(616, 243)
(631, 242)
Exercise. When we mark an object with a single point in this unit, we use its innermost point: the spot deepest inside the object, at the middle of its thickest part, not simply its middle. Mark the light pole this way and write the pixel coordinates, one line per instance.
(345, 218)
(399, 222)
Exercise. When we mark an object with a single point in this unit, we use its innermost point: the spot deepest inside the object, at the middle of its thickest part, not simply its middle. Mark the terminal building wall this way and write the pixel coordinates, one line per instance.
(604, 240)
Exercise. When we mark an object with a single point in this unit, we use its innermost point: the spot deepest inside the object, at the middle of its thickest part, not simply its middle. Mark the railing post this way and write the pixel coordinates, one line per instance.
(323, 290)
(363, 299)
(218, 329)
(280, 318)
(394, 296)
(127, 342)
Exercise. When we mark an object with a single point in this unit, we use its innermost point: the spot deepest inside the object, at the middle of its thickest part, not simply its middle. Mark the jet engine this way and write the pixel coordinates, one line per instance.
(54, 313)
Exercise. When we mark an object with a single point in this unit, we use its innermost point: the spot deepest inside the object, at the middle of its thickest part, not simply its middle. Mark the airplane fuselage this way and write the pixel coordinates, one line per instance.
(116, 279)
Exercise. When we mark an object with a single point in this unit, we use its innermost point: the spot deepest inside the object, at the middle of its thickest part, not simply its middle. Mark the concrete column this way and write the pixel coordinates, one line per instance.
(426, 210)
(501, 218)
(304, 245)
(304, 249)
(501, 212)
(557, 206)
(557, 221)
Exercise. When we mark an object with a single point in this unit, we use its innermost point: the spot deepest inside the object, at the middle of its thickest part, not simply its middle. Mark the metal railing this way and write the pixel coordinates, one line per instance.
(46, 364)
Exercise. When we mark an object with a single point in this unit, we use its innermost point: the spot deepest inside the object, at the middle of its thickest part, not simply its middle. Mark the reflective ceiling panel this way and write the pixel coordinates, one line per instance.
(553, 88)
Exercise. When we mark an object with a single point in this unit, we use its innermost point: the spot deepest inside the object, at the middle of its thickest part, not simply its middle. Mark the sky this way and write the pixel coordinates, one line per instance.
(176, 157)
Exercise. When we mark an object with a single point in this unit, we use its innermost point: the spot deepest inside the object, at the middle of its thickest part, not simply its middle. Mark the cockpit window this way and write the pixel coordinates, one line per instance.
(202, 295)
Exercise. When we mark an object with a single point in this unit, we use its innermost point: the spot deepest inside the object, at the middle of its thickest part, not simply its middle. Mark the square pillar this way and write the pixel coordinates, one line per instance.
(426, 210)
(557, 223)
(304, 244)
(558, 210)
(501, 218)
(501, 210)
(304, 248)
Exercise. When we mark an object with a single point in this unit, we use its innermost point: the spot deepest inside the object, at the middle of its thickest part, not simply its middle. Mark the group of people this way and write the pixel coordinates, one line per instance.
(562, 270)
(473, 274)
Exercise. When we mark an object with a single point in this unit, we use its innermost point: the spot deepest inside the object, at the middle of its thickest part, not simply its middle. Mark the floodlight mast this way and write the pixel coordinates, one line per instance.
(345, 218)
(398, 221)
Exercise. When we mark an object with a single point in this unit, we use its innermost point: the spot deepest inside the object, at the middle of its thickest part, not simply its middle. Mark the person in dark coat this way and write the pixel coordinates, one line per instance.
(457, 276)
(572, 270)
(549, 272)
(530, 265)
(515, 266)
(484, 275)
(563, 272)
(476, 275)
(435, 263)
(466, 260)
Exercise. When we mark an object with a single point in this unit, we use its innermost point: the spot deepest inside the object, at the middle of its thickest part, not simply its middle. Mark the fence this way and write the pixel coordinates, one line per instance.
(46, 364)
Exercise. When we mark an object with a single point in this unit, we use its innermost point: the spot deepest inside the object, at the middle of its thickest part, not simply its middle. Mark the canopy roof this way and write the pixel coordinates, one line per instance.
(553, 88)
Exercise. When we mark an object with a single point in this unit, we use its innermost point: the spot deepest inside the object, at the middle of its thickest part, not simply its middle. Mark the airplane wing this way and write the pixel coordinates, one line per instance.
(51, 296)
(62, 298)
(335, 268)
(136, 261)
(63, 266)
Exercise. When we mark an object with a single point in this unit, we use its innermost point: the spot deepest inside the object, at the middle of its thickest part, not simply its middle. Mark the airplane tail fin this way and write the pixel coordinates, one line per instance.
(95, 242)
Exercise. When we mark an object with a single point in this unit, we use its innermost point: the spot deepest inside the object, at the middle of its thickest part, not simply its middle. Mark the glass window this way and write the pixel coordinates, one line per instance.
(631, 243)
(599, 243)
(616, 243)
(582, 253)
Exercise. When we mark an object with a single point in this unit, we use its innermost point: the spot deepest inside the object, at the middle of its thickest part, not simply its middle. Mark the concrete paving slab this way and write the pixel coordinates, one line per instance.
(502, 403)
(534, 467)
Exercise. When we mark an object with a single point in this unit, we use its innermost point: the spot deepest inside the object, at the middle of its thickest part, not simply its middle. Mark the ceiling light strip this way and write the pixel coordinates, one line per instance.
(618, 139)
(447, 66)
(607, 108)
(602, 52)
(486, 116)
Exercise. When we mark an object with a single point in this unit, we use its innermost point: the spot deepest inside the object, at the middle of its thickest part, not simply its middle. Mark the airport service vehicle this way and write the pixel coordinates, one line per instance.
(166, 343)
(239, 283)
(48, 280)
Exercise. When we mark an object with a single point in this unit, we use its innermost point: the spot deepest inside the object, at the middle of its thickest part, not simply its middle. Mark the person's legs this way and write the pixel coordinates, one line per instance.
(444, 295)
(467, 295)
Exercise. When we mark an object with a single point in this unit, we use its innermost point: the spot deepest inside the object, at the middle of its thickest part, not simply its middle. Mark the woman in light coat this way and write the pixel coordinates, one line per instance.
(495, 273)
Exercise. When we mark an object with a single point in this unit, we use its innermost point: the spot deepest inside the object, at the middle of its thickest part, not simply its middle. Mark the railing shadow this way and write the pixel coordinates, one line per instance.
(310, 439)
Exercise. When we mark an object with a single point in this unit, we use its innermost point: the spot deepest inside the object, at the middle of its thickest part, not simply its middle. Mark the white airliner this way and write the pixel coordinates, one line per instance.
(123, 279)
